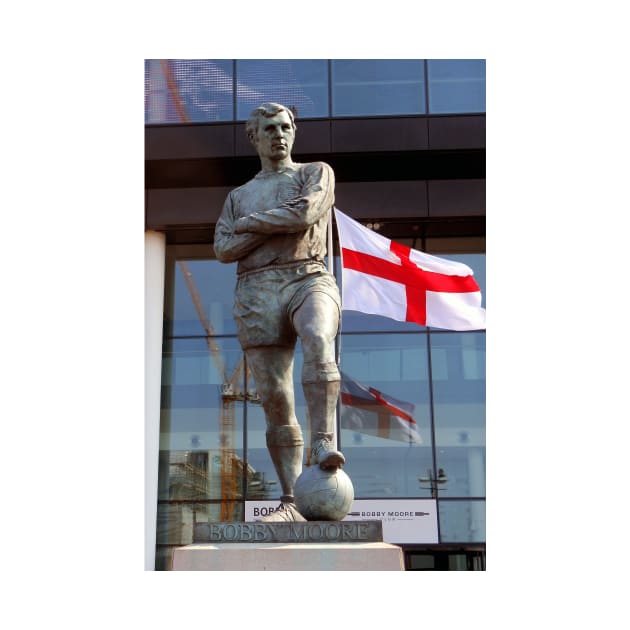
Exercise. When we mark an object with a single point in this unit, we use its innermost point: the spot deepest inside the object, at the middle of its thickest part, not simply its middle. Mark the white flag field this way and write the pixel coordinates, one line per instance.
(382, 277)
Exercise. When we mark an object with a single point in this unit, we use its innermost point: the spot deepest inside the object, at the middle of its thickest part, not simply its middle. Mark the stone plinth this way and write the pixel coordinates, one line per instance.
(260, 556)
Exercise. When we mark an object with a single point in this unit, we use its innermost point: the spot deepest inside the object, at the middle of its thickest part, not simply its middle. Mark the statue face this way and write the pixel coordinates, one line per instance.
(275, 137)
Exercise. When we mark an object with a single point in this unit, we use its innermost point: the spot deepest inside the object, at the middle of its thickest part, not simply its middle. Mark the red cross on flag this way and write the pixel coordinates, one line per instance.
(382, 277)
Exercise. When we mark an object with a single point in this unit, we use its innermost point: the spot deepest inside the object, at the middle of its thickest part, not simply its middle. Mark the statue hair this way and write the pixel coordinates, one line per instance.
(266, 110)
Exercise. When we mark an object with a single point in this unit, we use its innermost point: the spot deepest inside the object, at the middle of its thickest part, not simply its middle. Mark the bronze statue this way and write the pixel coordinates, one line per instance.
(275, 226)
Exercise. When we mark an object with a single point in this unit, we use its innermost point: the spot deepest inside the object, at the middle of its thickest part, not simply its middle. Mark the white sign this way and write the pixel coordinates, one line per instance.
(404, 520)
(411, 521)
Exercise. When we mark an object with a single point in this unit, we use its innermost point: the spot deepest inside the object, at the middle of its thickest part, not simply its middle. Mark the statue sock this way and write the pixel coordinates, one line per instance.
(321, 385)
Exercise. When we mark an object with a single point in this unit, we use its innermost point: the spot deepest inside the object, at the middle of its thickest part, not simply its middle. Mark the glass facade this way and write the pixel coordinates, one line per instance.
(213, 455)
(181, 91)
(377, 87)
(456, 85)
(188, 90)
(298, 83)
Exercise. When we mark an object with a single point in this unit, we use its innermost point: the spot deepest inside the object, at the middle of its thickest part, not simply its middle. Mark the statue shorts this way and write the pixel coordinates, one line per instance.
(267, 298)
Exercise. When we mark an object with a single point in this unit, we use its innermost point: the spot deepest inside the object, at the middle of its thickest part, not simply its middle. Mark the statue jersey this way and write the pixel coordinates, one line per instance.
(282, 218)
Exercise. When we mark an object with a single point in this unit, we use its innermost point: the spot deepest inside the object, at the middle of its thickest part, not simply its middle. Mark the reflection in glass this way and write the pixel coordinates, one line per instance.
(457, 85)
(365, 87)
(188, 90)
(201, 435)
(265, 482)
(462, 521)
(459, 399)
(202, 90)
(199, 298)
(299, 83)
(385, 413)
(201, 429)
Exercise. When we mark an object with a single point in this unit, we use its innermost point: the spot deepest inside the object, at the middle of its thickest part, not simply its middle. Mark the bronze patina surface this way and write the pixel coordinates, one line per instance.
(275, 227)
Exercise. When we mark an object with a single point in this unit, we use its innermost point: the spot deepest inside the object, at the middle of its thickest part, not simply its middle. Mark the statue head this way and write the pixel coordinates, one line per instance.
(266, 110)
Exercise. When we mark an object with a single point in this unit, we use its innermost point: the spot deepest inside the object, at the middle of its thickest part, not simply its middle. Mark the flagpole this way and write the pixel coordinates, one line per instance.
(331, 269)
(331, 266)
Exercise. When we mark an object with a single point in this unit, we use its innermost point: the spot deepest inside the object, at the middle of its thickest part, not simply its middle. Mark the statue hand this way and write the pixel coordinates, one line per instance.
(240, 227)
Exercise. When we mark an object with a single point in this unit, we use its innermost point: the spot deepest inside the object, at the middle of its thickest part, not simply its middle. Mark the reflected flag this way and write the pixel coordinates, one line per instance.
(375, 413)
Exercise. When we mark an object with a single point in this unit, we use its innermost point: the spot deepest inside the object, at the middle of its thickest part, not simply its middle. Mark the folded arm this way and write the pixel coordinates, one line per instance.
(297, 214)
(228, 246)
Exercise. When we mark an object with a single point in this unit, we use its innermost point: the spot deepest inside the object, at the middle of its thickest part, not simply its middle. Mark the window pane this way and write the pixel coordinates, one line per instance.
(364, 87)
(457, 85)
(462, 521)
(299, 83)
(460, 424)
(201, 426)
(385, 432)
(199, 297)
(188, 90)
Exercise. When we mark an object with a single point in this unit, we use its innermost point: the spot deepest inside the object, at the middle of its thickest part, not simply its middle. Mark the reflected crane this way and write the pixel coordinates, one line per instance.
(229, 395)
